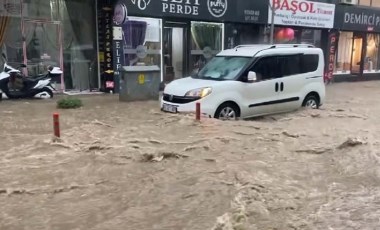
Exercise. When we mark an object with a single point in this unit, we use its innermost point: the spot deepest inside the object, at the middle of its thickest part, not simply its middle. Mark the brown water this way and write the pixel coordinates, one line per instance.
(129, 166)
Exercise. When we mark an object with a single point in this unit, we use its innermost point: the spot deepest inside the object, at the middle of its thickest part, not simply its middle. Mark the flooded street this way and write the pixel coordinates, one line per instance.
(128, 166)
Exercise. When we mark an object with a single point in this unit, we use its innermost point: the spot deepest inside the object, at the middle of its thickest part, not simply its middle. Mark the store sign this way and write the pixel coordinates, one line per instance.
(118, 54)
(141, 51)
(217, 8)
(252, 13)
(117, 44)
(330, 55)
(302, 13)
(120, 14)
(357, 19)
(371, 21)
(105, 38)
(110, 84)
(108, 40)
(141, 4)
(209, 10)
(186, 7)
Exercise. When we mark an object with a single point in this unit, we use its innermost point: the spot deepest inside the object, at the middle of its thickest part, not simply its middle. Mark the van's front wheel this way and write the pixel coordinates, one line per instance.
(227, 111)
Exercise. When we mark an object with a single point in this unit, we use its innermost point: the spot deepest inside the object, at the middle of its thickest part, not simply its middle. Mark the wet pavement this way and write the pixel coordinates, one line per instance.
(129, 166)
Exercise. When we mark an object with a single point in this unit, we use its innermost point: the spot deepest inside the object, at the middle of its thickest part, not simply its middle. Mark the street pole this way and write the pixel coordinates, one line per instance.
(273, 10)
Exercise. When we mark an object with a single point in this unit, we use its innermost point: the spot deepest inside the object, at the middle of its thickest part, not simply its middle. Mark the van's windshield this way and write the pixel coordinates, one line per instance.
(223, 68)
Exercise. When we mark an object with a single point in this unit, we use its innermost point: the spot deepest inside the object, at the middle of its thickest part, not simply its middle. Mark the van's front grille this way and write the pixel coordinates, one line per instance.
(179, 99)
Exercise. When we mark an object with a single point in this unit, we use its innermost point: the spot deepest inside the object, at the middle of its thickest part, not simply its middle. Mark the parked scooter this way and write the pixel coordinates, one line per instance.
(16, 86)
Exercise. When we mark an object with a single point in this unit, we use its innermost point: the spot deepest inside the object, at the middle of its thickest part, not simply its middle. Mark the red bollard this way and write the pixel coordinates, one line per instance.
(57, 132)
(198, 111)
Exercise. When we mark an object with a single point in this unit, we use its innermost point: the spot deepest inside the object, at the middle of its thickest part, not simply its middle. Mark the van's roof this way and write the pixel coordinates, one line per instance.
(251, 50)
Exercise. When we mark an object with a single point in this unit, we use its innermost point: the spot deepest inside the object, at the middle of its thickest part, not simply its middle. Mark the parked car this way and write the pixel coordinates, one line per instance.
(252, 80)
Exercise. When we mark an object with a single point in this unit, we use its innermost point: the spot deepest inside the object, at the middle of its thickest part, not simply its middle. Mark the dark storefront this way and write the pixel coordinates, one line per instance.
(357, 51)
(181, 36)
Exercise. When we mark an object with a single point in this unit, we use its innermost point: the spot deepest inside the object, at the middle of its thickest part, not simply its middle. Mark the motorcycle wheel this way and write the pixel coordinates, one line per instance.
(46, 93)
(10, 95)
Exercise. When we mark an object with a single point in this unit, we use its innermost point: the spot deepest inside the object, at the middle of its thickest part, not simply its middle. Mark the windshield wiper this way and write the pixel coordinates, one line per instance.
(207, 77)
(211, 78)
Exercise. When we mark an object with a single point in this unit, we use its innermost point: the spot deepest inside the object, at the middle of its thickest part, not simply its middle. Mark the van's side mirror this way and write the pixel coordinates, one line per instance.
(252, 77)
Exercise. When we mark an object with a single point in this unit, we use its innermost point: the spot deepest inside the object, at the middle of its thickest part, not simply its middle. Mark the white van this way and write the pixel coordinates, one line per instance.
(252, 80)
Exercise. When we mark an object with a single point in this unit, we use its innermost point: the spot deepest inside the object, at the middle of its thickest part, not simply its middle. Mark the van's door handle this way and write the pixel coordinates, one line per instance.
(282, 86)
(276, 87)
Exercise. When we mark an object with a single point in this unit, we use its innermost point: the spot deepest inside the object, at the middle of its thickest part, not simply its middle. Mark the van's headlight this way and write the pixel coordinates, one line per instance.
(202, 92)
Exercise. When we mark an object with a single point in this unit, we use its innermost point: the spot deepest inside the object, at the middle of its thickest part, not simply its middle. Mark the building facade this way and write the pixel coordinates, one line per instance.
(357, 47)
(180, 36)
(62, 33)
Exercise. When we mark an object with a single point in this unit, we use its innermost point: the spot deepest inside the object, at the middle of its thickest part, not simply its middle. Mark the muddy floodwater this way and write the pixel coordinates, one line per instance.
(127, 166)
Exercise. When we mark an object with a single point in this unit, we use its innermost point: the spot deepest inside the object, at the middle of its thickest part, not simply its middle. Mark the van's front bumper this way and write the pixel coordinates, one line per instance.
(206, 108)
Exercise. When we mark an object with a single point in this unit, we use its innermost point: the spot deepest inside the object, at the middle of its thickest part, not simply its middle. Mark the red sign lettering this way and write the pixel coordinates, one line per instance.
(330, 59)
(294, 6)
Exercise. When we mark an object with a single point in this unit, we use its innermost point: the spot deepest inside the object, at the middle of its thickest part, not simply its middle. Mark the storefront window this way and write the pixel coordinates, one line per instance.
(55, 33)
(242, 34)
(292, 35)
(350, 54)
(351, 49)
(357, 52)
(206, 42)
(142, 41)
(343, 57)
(12, 44)
(42, 9)
(80, 57)
(286, 35)
(42, 46)
(175, 50)
(371, 62)
(310, 36)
